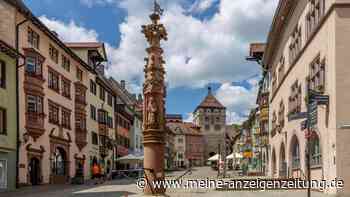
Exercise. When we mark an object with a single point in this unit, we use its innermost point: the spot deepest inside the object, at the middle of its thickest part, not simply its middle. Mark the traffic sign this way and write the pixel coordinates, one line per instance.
(312, 114)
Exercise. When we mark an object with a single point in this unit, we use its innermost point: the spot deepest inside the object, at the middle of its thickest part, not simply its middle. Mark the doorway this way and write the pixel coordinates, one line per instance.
(34, 171)
(59, 166)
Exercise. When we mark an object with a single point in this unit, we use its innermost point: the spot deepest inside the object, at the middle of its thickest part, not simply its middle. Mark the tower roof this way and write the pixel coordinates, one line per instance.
(210, 102)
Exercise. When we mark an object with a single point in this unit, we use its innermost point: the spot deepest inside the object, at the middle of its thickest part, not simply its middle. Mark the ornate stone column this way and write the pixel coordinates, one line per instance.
(154, 101)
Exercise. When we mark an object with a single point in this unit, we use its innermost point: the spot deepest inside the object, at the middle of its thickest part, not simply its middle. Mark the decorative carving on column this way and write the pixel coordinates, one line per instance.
(154, 88)
(154, 101)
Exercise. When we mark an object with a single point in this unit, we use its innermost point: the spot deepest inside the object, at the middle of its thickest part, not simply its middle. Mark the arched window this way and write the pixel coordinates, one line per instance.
(316, 156)
(295, 154)
(282, 162)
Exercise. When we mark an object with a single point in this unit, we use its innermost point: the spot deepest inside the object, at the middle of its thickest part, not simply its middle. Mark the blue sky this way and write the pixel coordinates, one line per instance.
(208, 40)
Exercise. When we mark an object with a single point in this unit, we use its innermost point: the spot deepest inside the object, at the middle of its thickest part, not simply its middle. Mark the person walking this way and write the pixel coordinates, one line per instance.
(96, 175)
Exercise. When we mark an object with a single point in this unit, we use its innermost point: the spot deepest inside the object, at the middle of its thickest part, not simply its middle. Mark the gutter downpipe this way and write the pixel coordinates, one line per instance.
(17, 101)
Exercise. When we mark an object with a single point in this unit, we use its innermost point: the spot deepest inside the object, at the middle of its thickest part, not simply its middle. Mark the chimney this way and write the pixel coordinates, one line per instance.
(122, 84)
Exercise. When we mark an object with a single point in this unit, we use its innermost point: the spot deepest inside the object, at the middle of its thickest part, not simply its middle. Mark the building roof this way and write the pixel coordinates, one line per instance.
(98, 46)
(210, 102)
(84, 44)
(9, 50)
(22, 8)
(282, 15)
(173, 117)
(184, 128)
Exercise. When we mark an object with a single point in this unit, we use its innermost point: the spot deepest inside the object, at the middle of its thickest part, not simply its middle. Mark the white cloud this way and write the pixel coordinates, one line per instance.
(189, 117)
(202, 5)
(238, 100)
(70, 32)
(91, 3)
(197, 52)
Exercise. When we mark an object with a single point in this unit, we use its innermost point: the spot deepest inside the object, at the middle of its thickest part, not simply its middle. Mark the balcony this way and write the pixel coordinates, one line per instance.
(35, 124)
(80, 138)
(103, 129)
(80, 100)
(80, 92)
(34, 84)
(264, 114)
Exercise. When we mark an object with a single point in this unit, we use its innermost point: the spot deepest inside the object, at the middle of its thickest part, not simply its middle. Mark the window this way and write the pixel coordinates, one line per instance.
(217, 127)
(65, 88)
(53, 113)
(93, 112)
(295, 99)
(180, 140)
(102, 93)
(66, 63)
(54, 79)
(207, 127)
(110, 100)
(33, 38)
(2, 74)
(3, 121)
(66, 118)
(274, 124)
(53, 54)
(34, 104)
(79, 74)
(3, 174)
(281, 70)
(92, 87)
(281, 115)
(94, 138)
(317, 75)
(102, 116)
(33, 66)
(314, 15)
(316, 156)
(110, 122)
(296, 44)
(274, 82)
(80, 122)
(295, 155)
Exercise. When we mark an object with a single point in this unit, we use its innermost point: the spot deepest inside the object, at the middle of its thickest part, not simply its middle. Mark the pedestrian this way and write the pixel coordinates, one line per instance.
(96, 173)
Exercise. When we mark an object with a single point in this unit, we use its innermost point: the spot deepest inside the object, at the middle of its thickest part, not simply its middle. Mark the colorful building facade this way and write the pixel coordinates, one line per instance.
(8, 116)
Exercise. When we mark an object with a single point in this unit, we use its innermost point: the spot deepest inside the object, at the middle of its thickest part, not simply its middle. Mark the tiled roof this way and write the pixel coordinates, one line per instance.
(210, 102)
(184, 128)
(84, 44)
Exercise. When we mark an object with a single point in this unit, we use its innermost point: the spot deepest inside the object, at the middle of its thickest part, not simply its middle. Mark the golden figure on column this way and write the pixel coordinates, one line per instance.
(154, 103)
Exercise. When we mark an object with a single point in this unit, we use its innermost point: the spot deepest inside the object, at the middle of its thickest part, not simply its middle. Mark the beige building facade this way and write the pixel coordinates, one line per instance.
(210, 116)
(308, 48)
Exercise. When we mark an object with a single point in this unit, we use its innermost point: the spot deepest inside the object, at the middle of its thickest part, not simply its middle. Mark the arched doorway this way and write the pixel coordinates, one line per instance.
(295, 157)
(59, 166)
(282, 162)
(273, 161)
(34, 171)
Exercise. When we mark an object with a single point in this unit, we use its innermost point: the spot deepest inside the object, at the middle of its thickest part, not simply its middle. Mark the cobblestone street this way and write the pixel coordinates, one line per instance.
(120, 188)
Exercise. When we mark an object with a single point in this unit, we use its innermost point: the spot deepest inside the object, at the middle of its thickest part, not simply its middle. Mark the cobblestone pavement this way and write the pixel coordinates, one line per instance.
(120, 188)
